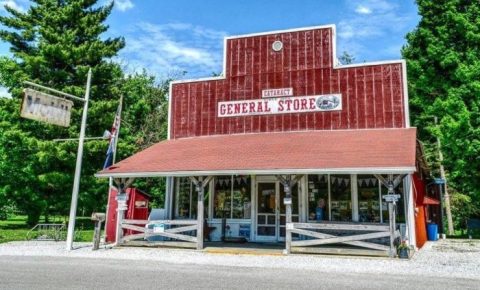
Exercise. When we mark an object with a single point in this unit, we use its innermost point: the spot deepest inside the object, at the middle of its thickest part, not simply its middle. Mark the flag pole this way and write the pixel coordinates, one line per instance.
(117, 133)
(78, 168)
(115, 140)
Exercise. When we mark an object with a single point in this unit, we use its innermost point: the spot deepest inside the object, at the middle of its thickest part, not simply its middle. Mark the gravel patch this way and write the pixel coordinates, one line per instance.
(444, 258)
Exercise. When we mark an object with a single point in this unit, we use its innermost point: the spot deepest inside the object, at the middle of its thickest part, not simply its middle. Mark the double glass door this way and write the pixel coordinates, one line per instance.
(271, 217)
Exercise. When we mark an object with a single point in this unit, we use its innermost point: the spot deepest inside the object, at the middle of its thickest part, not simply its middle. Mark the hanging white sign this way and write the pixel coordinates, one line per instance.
(285, 105)
(43, 107)
(391, 197)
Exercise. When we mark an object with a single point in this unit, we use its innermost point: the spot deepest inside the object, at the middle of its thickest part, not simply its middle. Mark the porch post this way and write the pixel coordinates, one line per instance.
(200, 190)
(288, 220)
(288, 183)
(200, 184)
(169, 196)
(391, 199)
(410, 214)
(122, 206)
(391, 215)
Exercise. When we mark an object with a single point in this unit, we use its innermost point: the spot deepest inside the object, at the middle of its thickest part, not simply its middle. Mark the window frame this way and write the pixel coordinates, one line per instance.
(354, 195)
(214, 195)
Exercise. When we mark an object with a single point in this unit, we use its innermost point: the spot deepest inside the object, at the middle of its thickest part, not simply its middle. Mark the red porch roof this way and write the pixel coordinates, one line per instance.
(336, 151)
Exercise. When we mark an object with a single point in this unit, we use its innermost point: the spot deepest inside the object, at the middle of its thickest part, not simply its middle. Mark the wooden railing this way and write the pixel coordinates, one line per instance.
(180, 233)
(321, 234)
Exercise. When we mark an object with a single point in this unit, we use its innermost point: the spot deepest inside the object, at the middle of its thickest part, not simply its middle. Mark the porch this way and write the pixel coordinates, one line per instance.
(292, 201)
(255, 209)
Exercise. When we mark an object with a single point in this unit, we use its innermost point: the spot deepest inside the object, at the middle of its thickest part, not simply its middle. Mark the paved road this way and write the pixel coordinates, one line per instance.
(80, 273)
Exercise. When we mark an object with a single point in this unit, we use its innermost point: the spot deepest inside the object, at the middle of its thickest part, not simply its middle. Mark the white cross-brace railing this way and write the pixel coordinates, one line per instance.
(319, 238)
(176, 233)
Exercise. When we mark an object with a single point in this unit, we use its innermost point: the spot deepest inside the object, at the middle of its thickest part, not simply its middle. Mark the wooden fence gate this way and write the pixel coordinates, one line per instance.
(316, 238)
(178, 233)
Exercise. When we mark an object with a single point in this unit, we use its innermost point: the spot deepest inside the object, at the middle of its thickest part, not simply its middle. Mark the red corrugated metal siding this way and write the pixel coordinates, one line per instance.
(372, 95)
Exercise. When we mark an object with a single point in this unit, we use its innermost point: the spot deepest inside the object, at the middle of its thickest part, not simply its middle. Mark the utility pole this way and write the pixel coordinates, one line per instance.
(448, 211)
(78, 167)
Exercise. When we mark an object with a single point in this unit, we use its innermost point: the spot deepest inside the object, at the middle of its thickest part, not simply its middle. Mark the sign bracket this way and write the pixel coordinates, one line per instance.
(55, 91)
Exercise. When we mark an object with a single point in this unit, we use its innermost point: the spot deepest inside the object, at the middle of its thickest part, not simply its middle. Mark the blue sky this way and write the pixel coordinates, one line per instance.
(170, 36)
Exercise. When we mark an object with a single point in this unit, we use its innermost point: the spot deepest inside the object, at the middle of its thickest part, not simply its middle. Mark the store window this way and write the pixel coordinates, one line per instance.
(318, 202)
(368, 198)
(341, 198)
(232, 197)
(223, 197)
(186, 199)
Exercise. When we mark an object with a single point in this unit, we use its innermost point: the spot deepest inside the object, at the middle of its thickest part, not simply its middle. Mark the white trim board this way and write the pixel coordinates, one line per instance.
(387, 170)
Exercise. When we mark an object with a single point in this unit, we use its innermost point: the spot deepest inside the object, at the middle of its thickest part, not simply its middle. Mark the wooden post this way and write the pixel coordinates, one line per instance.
(119, 230)
(288, 182)
(98, 218)
(96, 235)
(391, 183)
(391, 217)
(288, 212)
(200, 184)
(200, 217)
(122, 185)
(391, 212)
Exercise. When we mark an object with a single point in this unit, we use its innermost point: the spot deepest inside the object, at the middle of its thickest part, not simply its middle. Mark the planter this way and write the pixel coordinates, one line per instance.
(404, 253)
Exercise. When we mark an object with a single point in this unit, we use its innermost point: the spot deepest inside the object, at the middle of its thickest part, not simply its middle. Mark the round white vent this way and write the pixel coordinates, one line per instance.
(277, 45)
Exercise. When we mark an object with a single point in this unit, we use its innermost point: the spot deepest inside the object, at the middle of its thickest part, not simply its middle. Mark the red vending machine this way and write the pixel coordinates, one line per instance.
(137, 201)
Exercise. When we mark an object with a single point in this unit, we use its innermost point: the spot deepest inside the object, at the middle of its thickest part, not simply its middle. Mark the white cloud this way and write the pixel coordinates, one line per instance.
(368, 20)
(172, 48)
(124, 5)
(4, 93)
(371, 18)
(363, 10)
(15, 4)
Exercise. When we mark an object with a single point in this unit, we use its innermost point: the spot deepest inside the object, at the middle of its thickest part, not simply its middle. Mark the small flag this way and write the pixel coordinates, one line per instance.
(113, 137)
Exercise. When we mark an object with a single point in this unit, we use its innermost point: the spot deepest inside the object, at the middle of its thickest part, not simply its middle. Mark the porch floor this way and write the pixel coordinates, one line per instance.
(272, 248)
(276, 249)
(250, 248)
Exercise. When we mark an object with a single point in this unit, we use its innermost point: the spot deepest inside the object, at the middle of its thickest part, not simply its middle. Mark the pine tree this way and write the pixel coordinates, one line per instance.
(54, 43)
(443, 64)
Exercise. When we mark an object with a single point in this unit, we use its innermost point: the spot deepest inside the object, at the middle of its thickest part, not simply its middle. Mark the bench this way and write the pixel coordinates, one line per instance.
(472, 224)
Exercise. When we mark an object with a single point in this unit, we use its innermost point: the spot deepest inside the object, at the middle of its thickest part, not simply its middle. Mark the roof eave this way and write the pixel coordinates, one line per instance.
(365, 170)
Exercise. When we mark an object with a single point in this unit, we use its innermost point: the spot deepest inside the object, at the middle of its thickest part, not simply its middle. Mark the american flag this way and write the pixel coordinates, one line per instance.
(113, 137)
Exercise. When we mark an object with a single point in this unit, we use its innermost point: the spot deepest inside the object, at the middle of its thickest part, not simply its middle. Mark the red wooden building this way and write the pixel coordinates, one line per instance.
(288, 145)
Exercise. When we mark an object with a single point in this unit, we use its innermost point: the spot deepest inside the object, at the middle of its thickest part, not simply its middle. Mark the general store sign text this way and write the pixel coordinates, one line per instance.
(284, 105)
(43, 107)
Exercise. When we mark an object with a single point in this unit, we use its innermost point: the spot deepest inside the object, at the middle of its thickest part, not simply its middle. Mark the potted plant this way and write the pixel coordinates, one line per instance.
(403, 250)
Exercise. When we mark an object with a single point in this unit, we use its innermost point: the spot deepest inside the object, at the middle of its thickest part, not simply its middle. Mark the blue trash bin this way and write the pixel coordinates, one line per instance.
(432, 232)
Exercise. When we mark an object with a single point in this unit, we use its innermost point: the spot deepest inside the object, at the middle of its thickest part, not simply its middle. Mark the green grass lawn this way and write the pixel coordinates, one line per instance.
(462, 234)
(16, 229)
(12, 235)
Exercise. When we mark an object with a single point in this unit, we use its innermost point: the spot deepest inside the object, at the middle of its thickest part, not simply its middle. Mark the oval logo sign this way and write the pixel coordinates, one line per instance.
(330, 102)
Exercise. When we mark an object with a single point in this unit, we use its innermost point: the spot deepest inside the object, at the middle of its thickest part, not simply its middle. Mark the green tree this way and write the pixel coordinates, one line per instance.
(144, 123)
(54, 43)
(443, 61)
(346, 58)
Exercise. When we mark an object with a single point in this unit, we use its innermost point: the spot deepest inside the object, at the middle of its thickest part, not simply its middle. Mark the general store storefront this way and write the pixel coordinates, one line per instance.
(253, 205)
(286, 146)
